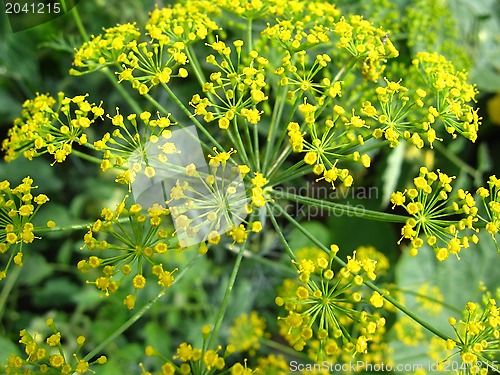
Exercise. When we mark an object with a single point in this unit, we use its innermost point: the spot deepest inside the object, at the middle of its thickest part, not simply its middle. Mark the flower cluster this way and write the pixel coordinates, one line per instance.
(105, 49)
(452, 95)
(432, 26)
(477, 336)
(310, 12)
(190, 22)
(206, 204)
(246, 332)
(197, 361)
(330, 142)
(391, 117)
(125, 241)
(50, 126)
(129, 146)
(323, 305)
(152, 63)
(48, 357)
(444, 217)
(491, 200)
(367, 43)
(234, 90)
(300, 36)
(18, 206)
(297, 69)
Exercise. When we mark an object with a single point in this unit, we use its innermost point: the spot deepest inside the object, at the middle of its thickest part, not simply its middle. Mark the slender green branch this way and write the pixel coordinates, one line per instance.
(123, 92)
(273, 127)
(369, 284)
(252, 256)
(283, 240)
(192, 117)
(457, 161)
(7, 287)
(288, 174)
(238, 142)
(285, 349)
(157, 105)
(251, 151)
(430, 299)
(227, 295)
(256, 147)
(87, 157)
(71, 227)
(284, 126)
(249, 35)
(345, 209)
(79, 23)
(138, 314)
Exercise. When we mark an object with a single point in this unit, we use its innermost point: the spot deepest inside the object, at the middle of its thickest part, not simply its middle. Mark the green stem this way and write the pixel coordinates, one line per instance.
(157, 105)
(138, 314)
(283, 240)
(457, 161)
(251, 151)
(87, 157)
(285, 349)
(252, 256)
(273, 127)
(249, 35)
(123, 92)
(198, 72)
(227, 295)
(369, 284)
(256, 147)
(431, 299)
(238, 142)
(192, 117)
(72, 227)
(7, 287)
(289, 173)
(345, 209)
(284, 132)
(79, 23)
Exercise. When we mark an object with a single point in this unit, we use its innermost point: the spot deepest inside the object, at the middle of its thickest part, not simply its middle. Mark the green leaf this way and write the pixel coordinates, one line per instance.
(88, 297)
(56, 292)
(38, 169)
(35, 269)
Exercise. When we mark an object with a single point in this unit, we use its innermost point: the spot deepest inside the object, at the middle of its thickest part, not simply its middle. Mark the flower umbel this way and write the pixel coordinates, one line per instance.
(434, 208)
(324, 304)
(18, 206)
